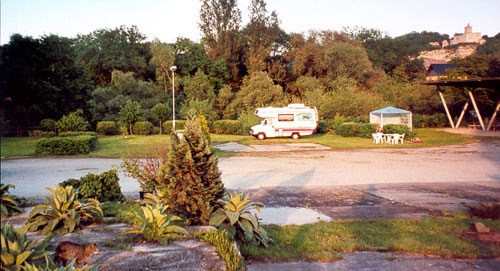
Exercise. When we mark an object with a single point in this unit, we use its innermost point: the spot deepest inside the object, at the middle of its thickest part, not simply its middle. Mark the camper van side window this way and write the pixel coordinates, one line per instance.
(285, 117)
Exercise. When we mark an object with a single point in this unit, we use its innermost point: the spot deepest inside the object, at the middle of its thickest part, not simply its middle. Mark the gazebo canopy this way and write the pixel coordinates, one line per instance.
(391, 115)
(390, 110)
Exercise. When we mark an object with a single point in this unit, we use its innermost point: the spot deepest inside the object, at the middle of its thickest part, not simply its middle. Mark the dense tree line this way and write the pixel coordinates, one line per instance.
(234, 69)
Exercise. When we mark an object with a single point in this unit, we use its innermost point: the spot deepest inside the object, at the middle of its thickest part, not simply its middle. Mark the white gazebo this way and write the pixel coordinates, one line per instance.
(391, 115)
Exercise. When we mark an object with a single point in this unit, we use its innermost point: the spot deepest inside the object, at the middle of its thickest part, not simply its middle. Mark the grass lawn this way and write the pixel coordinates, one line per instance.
(140, 146)
(323, 241)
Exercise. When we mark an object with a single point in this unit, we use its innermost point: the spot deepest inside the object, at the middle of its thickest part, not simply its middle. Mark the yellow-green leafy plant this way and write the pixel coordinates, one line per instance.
(235, 217)
(222, 242)
(68, 267)
(153, 223)
(18, 251)
(8, 203)
(63, 213)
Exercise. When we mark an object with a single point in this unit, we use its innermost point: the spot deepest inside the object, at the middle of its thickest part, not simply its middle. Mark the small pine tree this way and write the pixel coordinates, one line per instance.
(190, 178)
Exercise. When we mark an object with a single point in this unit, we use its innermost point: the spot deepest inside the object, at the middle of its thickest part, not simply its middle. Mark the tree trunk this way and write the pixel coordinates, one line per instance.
(160, 126)
(130, 128)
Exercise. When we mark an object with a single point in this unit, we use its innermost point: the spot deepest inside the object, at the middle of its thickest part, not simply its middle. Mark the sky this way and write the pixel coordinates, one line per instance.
(169, 19)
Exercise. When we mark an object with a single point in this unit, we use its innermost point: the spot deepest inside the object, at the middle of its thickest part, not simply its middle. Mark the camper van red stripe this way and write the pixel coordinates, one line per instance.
(295, 129)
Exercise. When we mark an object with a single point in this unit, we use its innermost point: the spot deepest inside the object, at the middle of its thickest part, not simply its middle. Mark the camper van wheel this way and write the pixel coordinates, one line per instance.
(295, 136)
(261, 136)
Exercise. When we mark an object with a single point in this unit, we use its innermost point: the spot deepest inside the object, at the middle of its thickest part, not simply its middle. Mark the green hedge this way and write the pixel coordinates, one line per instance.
(107, 128)
(227, 127)
(399, 129)
(143, 128)
(437, 120)
(367, 129)
(65, 145)
(348, 129)
(73, 134)
(167, 126)
(103, 187)
(40, 133)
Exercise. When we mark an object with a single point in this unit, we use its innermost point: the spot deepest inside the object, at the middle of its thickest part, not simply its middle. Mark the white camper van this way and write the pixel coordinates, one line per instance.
(294, 121)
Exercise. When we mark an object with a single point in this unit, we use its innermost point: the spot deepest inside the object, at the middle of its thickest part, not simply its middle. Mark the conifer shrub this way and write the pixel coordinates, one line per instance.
(227, 127)
(190, 182)
(65, 145)
(103, 187)
(107, 128)
(167, 126)
(143, 128)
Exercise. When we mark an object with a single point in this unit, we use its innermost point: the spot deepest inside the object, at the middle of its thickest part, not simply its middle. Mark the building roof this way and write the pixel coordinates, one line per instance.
(439, 69)
(390, 110)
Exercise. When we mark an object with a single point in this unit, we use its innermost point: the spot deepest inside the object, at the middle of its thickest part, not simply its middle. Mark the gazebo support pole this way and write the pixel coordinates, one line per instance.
(462, 114)
(477, 110)
(493, 116)
(446, 107)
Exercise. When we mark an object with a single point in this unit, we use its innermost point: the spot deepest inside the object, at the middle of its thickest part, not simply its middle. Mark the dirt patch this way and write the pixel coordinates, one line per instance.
(490, 238)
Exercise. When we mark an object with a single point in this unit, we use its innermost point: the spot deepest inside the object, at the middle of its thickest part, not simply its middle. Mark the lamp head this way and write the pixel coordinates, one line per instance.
(173, 68)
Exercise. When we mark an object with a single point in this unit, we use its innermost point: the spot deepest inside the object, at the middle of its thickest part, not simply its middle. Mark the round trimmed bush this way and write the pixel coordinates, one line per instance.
(107, 128)
(143, 128)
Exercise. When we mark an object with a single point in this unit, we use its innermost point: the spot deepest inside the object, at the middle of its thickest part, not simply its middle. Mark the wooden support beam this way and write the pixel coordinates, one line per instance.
(493, 116)
(446, 108)
(477, 110)
(462, 114)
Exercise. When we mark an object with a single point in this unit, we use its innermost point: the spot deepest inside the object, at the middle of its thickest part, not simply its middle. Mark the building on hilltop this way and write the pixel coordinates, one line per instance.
(467, 37)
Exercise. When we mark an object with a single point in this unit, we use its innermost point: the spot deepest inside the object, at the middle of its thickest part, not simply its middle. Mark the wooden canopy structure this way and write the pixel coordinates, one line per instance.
(471, 85)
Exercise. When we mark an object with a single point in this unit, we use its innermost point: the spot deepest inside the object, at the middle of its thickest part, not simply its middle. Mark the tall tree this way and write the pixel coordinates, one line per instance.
(261, 33)
(105, 50)
(220, 22)
(39, 79)
(198, 88)
(163, 58)
(130, 113)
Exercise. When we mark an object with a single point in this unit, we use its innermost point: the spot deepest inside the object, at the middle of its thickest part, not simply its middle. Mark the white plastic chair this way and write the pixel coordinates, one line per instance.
(401, 138)
(377, 138)
(396, 138)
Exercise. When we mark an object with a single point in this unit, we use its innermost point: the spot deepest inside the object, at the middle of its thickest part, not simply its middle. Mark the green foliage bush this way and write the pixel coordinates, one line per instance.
(247, 120)
(156, 130)
(227, 127)
(103, 187)
(143, 128)
(81, 133)
(367, 129)
(65, 145)
(222, 242)
(49, 125)
(40, 133)
(63, 213)
(72, 122)
(399, 129)
(19, 252)
(107, 128)
(167, 126)
(437, 120)
(348, 129)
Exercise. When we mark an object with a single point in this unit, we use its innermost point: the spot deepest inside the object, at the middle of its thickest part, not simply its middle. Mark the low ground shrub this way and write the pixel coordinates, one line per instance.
(65, 145)
(348, 129)
(49, 125)
(40, 133)
(143, 128)
(399, 129)
(485, 210)
(74, 121)
(107, 128)
(437, 120)
(79, 133)
(227, 127)
(103, 187)
(222, 242)
(167, 126)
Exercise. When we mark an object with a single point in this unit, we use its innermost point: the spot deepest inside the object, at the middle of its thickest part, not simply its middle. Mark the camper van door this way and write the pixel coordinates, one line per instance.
(268, 125)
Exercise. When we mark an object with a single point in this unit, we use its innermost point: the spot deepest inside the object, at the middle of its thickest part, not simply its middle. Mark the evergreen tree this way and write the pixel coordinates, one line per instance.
(191, 178)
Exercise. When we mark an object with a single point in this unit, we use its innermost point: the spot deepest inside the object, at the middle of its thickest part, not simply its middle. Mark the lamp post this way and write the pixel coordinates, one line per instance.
(173, 69)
